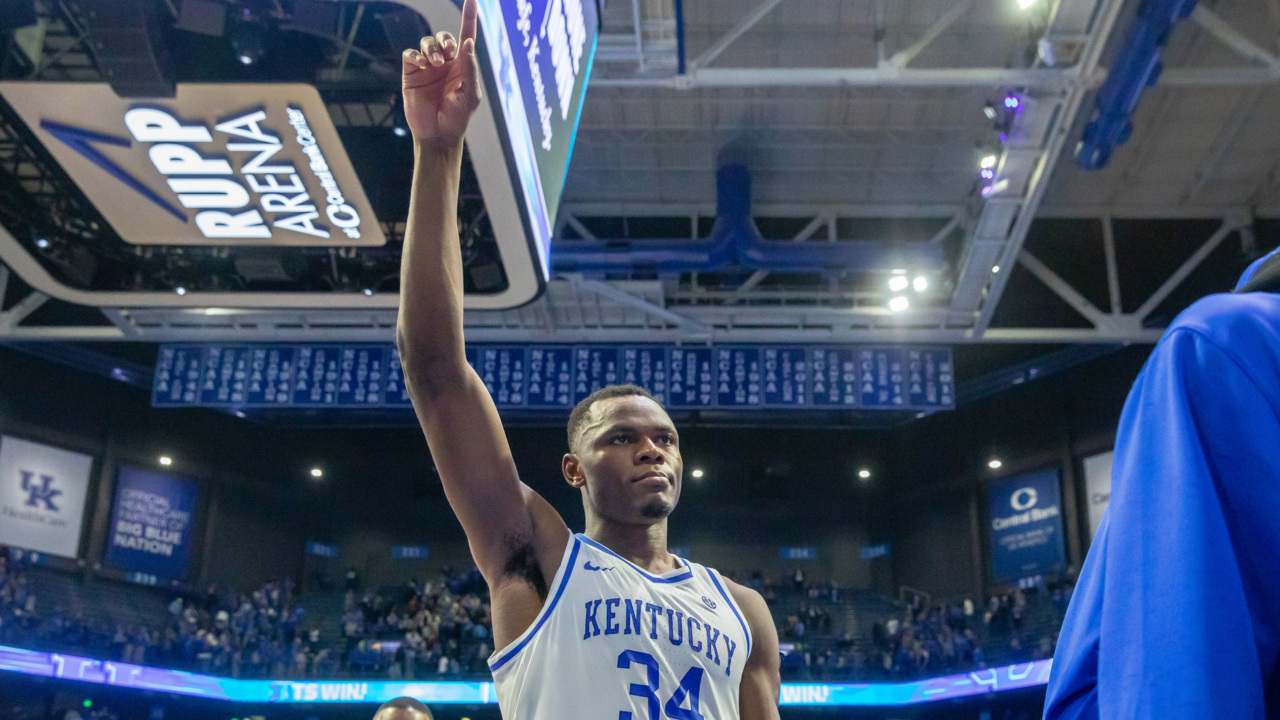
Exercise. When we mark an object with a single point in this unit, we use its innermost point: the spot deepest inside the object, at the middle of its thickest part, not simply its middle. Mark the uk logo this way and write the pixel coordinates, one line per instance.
(39, 492)
(709, 602)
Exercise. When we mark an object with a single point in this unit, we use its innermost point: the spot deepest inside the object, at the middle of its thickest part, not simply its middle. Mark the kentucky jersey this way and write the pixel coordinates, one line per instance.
(615, 642)
(1177, 610)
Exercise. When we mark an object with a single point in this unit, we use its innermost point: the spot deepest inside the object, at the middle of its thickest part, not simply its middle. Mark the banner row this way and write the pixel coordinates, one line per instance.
(557, 377)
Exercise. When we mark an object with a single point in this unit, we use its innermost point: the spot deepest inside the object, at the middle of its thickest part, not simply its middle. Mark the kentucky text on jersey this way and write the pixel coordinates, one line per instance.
(622, 616)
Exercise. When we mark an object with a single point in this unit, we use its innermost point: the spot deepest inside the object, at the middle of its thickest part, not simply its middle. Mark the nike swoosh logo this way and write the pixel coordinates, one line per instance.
(589, 566)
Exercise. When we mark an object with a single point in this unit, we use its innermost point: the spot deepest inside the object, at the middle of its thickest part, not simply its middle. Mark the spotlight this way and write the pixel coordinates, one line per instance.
(317, 472)
(248, 40)
(899, 303)
(399, 125)
(989, 110)
(368, 291)
(864, 474)
(994, 464)
(988, 161)
(987, 190)
(180, 290)
(1024, 4)
(995, 269)
(1011, 102)
(166, 460)
(987, 173)
(921, 283)
(898, 283)
(697, 473)
(42, 243)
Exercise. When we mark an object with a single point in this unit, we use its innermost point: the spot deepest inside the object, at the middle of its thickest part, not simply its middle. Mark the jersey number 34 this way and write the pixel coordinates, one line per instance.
(690, 687)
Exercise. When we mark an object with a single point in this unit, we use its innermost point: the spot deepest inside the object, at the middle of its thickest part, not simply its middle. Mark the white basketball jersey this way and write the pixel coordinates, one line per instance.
(613, 641)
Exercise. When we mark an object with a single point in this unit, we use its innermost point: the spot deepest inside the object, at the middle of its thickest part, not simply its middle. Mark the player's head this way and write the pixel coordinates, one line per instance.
(624, 455)
(402, 708)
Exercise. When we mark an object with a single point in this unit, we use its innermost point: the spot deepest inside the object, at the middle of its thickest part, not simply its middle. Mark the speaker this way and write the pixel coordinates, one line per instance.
(127, 37)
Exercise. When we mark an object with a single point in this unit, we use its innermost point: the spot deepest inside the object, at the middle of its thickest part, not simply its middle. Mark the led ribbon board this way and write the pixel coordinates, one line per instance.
(218, 164)
(557, 377)
(540, 54)
(70, 667)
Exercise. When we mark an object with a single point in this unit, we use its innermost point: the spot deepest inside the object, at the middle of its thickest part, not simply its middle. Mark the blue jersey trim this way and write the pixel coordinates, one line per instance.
(688, 573)
(546, 612)
(732, 606)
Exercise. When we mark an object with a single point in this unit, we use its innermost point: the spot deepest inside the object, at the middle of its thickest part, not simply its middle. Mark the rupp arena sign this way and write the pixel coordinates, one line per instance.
(219, 164)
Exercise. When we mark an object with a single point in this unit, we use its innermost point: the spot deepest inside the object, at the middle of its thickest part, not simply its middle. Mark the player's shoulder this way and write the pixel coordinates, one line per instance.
(1244, 325)
(751, 602)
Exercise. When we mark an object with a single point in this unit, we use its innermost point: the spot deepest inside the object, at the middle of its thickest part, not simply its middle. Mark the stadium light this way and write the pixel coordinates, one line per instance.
(921, 283)
(166, 460)
(899, 303)
(995, 464)
(995, 269)
(864, 474)
(697, 473)
(180, 290)
(988, 161)
(898, 283)
(317, 472)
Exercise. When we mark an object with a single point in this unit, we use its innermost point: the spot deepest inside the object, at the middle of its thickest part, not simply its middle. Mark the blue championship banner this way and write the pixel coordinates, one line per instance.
(557, 377)
(1026, 526)
(151, 523)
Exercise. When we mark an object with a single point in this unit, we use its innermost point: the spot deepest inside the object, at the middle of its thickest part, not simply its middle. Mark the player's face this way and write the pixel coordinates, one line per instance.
(630, 460)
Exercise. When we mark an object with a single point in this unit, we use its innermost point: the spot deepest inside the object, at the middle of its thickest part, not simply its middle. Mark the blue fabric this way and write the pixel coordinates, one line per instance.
(1177, 610)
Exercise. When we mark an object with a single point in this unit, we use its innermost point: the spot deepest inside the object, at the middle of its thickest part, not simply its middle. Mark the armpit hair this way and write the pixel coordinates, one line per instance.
(522, 562)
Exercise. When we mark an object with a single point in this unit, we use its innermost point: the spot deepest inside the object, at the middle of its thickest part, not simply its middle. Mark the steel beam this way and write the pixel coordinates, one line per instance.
(888, 76)
(1187, 268)
(738, 31)
(1213, 24)
(909, 53)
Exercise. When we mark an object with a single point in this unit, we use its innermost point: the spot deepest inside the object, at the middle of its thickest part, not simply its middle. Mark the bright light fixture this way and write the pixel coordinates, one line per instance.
(1024, 4)
(166, 460)
(316, 472)
(898, 283)
(994, 464)
(995, 269)
(988, 161)
(180, 290)
(899, 303)
(864, 474)
(697, 473)
(899, 271)
(42, 243)
(368, 291)
(921, 283)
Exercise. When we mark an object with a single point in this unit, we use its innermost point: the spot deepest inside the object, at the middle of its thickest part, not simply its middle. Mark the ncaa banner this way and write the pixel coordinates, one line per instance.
(1026, 526)
(1097, 483)
(151, 523)
(42, 493)
(218, 164)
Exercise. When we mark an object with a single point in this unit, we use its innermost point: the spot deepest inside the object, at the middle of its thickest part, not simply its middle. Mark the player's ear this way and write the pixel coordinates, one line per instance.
(571, 466)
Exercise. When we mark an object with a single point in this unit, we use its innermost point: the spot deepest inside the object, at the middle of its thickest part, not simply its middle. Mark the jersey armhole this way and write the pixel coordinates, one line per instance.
(501, 657)
(719, 582)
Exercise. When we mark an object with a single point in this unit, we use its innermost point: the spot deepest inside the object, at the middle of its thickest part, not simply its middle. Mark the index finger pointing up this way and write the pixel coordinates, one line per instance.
(468, 22)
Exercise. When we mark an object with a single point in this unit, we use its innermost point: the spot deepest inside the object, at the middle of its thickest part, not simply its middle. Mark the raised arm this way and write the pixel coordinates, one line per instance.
(512, 531)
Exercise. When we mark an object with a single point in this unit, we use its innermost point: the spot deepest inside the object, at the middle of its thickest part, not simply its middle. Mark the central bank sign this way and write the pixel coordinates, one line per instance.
(219, 164)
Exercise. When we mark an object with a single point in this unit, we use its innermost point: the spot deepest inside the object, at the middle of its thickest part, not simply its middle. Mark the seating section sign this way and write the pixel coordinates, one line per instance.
(152, 521)
(557, 377)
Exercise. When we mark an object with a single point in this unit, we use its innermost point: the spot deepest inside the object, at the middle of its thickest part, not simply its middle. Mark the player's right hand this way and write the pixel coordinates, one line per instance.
(441, 85)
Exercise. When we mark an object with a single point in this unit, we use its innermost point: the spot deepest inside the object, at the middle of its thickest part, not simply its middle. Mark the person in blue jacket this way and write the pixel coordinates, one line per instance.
(1177, 610)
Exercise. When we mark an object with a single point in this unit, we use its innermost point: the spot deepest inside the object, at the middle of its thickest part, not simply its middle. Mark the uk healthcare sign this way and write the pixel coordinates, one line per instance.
(151, 523)
(218, 164)
(1026, 526)
(42, 493)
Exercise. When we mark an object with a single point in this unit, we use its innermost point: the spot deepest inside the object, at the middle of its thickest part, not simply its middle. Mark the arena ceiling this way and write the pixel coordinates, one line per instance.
(861, 121)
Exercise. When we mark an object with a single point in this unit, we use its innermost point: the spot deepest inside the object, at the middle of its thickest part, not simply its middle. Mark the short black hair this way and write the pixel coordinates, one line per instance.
(404, 702)
(578, 417)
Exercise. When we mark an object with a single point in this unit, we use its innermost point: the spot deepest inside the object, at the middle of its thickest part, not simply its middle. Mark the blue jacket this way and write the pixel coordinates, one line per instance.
(1177, 610)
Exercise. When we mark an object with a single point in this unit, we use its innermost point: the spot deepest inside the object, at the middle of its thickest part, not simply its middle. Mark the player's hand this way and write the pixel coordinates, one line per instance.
(441, 84)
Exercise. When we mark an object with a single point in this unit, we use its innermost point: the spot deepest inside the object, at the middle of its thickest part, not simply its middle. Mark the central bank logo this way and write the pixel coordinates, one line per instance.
(1023, 499)
(41, 491)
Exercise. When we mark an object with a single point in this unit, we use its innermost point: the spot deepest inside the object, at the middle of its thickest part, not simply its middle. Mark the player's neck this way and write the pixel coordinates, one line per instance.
(644, 545)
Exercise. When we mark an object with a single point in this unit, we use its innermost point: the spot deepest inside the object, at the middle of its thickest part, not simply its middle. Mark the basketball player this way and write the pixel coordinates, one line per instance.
(403, 708)
(1177, 612)
(593, 626)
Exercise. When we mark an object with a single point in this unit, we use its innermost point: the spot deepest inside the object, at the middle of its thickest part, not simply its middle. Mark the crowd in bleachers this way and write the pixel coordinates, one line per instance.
(438, 627)
(441, 628)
